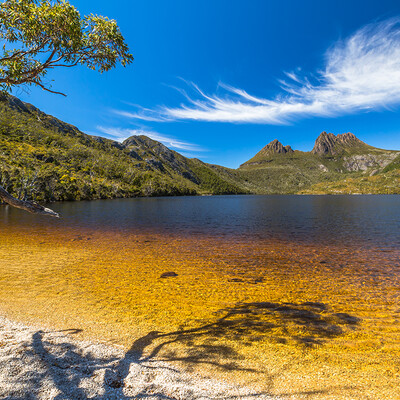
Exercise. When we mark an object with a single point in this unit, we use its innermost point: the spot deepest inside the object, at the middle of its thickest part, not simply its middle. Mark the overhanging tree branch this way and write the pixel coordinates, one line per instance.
(52, 34)
(47, 89)
(29, 206)
(57, 29)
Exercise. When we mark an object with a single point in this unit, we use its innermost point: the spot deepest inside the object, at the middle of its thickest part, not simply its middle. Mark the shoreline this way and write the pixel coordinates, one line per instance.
(48, 364)
(212, 195)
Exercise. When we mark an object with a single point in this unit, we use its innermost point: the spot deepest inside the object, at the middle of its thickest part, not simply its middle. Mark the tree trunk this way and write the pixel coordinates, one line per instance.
(32, 207)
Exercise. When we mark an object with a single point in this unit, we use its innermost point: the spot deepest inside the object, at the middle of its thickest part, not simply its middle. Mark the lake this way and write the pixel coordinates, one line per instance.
(296, 294)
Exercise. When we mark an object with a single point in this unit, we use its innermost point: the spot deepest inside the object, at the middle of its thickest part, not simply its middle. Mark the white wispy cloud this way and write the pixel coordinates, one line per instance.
(120, 134)
(361, 73)
(145, 115)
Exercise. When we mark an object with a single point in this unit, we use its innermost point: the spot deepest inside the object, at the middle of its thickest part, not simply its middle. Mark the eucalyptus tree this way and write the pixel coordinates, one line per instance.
(39, 35)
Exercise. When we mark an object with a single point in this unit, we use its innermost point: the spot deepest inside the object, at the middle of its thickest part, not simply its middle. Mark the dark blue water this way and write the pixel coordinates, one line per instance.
(345, 220)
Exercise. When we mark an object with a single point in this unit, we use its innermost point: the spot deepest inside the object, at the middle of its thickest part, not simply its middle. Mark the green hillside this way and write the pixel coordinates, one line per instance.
(386, 181)
(337, 164)
(45, 159)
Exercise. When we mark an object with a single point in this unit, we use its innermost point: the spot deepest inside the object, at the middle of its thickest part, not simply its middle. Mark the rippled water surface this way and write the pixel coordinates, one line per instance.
(296, 294)
(366, 220)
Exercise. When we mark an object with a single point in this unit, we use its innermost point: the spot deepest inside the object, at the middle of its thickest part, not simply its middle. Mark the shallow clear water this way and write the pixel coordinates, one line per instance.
(344, 220)
(302, 288)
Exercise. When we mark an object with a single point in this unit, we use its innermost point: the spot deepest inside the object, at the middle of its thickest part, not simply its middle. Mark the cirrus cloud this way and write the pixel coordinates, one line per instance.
(361, 73)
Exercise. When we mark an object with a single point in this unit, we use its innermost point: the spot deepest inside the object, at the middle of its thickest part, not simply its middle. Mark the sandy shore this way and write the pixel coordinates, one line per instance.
(38, 364)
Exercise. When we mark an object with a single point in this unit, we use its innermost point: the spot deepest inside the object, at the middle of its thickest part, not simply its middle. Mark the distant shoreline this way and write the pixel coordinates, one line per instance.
(220, 195)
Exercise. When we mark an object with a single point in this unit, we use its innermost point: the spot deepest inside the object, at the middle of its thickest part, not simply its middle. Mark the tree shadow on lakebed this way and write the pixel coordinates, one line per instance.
(214, 342)
(305, 324)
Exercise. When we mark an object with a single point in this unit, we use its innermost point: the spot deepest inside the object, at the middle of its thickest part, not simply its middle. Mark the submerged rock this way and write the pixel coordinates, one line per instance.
(236, 280)
(169, 274)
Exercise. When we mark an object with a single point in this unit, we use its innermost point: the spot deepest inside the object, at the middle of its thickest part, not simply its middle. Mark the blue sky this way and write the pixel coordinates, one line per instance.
(219, 79)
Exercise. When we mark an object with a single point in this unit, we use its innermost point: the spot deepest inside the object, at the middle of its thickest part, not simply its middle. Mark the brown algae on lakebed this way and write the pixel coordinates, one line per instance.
(300, 321)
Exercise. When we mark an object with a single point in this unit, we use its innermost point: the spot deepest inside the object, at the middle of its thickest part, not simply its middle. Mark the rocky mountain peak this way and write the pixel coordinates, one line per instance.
(348, 138)
(328, 143)
(276, 147)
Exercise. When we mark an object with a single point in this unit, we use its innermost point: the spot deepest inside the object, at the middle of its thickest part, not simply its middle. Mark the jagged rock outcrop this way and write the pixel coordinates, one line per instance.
(266, 153)
(276, 147)
(328, 143)
(288, 149)
(362, 162)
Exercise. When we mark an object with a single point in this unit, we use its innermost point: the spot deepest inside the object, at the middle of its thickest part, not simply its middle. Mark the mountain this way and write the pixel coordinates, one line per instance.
(273, 148)
(328, 143)
(45, 159)
(337, 164)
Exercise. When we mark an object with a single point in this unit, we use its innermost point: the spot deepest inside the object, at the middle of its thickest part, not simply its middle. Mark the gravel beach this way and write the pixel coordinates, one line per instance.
(38, 364)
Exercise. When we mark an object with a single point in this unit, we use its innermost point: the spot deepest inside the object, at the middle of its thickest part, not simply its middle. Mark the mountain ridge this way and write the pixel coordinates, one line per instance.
(45, 159)
(334, 158)
(328, 143)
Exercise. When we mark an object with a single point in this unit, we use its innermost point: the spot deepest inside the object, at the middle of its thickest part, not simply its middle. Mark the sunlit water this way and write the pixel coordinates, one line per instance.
(297, 295)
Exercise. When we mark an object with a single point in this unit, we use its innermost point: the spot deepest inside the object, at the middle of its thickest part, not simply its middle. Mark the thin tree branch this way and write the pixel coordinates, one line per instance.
(15, 55)
(47, 62)
(23, 53)
(47, 89)
(66, 65)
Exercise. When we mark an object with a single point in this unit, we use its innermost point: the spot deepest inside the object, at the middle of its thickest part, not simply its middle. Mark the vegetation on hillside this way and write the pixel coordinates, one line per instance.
(212, 181)
(38, 36)
(357, 168)
(44, 159)
(387, 183)
(289, 173)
